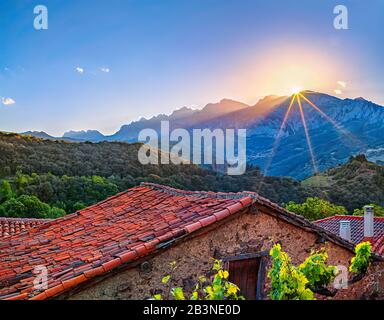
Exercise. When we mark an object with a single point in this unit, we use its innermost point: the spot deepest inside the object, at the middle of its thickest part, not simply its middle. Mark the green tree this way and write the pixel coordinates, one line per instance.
(78, 206)
(34, 207)
(6, 191)
(55, 212)
(379, 211)
(29, 207)
(12, 208)
(315, 208)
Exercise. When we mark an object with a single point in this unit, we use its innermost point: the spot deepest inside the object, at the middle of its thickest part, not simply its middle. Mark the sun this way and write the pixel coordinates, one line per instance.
(295, 90)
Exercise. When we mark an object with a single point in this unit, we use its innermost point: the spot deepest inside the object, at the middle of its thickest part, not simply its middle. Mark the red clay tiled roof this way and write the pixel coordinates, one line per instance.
(11, 226)
(97, 239)
(119, 230)
(332, 224)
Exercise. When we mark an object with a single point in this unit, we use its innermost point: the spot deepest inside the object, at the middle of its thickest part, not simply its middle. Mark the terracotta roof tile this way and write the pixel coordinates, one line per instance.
(100, 238)
(11, 226)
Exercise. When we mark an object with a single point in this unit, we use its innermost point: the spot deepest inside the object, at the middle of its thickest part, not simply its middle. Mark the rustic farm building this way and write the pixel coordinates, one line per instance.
(122, 247)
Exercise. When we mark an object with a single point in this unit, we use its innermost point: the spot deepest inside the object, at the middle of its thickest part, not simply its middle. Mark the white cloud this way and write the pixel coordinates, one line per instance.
(105, 69)
(337, 91)
(79, 70)
(7, 101)
(342, 83)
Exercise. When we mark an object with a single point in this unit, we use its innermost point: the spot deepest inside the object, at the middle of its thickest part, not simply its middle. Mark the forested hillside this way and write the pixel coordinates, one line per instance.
(69, 176)
(354, 184)
(45, 178)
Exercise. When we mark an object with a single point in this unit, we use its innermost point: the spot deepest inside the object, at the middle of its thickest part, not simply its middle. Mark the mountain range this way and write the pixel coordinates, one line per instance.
(356, 127)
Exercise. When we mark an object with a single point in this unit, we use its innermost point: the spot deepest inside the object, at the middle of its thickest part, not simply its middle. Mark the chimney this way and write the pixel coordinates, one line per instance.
(368, 223)
(345, 230)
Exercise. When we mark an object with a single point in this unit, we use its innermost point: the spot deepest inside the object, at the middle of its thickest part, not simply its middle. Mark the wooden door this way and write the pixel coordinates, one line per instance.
(244, 274)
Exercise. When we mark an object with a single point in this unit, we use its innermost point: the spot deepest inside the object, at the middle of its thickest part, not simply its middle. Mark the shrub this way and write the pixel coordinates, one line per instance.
(316, 271)
(360, 262)
(297, 283)
(288, 282)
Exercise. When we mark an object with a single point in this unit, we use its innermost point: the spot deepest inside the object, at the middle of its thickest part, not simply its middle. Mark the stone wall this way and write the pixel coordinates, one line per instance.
(245, 233)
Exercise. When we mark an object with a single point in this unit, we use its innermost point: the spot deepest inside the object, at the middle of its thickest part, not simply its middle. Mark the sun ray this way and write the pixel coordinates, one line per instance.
(286, 115)
(333, 122)
(319, 110)
(297, 96)
(312, 154)
(279, 134)
(276, 142)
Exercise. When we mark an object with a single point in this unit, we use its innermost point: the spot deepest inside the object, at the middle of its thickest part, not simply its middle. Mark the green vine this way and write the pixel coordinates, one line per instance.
(216, 288)
(298, 283)
(316, 271)
(288, 283)
(360, 262)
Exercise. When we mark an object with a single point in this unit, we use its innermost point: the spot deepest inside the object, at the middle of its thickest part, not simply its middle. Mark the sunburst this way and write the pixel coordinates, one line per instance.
(308, 138)
(297, 95)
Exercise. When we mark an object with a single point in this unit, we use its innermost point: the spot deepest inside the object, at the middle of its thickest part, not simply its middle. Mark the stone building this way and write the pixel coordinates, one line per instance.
(121, 248)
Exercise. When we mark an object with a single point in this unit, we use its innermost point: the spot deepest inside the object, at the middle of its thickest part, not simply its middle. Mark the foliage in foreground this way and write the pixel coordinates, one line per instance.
(315, 208)
(287, 281)
(316, 271)
(216, 288)
(360, 262)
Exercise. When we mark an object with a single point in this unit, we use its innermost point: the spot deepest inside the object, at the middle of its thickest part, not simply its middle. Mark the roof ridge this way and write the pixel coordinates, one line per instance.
(206, 194)
(24, 219)
(347, 217)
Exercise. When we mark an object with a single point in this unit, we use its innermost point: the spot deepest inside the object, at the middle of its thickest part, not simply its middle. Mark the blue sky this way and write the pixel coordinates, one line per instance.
(162, 55)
